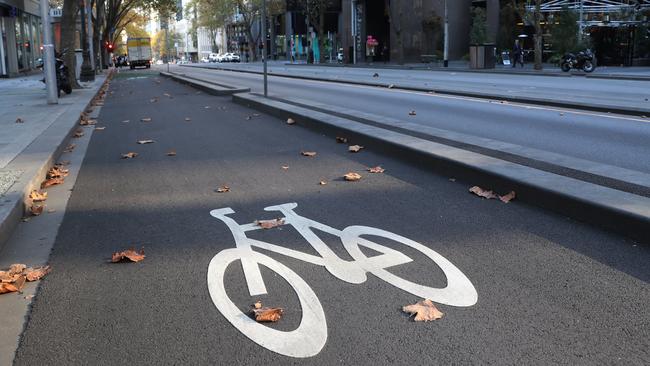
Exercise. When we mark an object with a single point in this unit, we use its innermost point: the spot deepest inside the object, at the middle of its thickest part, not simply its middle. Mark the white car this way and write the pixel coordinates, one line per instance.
(213, 57)
(222, 57)
(205, 60)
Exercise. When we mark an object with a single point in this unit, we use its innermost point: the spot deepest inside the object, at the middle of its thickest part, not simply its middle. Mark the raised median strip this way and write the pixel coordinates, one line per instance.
(41, 154)
(206, 86)
(609, 208)
(596, 107)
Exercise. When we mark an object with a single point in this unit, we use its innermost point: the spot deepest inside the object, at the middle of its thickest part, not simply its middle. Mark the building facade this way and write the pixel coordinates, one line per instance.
(20, 36)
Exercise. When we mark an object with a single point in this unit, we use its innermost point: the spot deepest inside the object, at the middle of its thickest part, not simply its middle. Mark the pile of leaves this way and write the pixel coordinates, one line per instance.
(13, 279)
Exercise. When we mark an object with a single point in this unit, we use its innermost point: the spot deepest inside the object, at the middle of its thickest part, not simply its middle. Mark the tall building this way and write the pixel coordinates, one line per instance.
(20, 36)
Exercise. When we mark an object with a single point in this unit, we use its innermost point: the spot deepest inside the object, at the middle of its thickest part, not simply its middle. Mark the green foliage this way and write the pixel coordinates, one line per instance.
(508, 31)
(478, 31)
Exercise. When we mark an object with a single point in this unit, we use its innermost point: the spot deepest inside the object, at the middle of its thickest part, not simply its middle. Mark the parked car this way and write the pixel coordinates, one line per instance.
(213, 57)
(222, 57)
(205, 60)
(234, 58)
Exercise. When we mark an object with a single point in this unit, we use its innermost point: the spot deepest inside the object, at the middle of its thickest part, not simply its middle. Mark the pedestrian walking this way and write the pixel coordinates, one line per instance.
(518, 54)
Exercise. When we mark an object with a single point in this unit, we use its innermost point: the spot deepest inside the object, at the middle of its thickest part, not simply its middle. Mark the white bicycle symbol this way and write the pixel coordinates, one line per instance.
(311, 335)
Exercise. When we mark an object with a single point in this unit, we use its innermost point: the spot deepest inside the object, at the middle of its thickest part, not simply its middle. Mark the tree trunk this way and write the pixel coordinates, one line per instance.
(538, 35)
(97, 31)
(68, 33)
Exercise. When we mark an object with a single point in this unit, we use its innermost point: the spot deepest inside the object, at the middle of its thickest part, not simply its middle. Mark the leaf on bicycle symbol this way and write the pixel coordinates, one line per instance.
(130, 254)
(424, 311)
(266, 314)
(269, 224)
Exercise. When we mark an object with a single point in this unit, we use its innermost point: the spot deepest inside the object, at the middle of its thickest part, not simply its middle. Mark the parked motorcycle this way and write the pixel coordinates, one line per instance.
(61, 71)
(584, 60)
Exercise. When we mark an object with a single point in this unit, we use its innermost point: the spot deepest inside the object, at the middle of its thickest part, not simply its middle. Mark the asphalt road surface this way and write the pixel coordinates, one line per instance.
(601, 138)
(550, 290)
(629, 93)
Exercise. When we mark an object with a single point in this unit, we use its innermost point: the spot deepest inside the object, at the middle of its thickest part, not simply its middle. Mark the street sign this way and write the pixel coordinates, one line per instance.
(56, 13)
(311, 335)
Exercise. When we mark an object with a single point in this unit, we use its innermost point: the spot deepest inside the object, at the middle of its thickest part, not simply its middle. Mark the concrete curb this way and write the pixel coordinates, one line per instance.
(513, 99)
(206, 86)
(35, 160)
(615, 210)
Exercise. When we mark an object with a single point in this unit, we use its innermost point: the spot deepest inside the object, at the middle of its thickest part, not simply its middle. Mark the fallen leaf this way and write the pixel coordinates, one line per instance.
(285, 167)
(143, 142)
(37, 196)
(352, 177)
(290, 121)
(153, 100)
(100, 128)
(129, 155)
(20, 120)
(248, 118)
(355, 148)
(126, 121)
(35, 274)
(129, 254)
(424, 311)
(51, 210)
(257, 305)
(269, 224)
(69, 148)
(412, 113)
(483, 193)
(207, 107)
(28, 297)
(57, 172)
(308, 153)
(256, 114)
(508, 197)
(263, 315)
(36, 210)
(187, 119)
(376, 169)
(87, 122)
(51, 182)
(452, 179)
(341, 140)
(171, 153)
(16, 268)
(167, 95)
(16, 286)
(223, 189)
(78, 134)
(146, 119)
(322, 183)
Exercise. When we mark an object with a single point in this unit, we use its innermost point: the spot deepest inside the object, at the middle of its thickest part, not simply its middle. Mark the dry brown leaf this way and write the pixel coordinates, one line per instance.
(223, 189)
(412, 113)
(508, 197)
(257, 305)
(424, 311)
(167, 95)
(35, 274)
(355, 148)
(171, 153)
(187, 119)
(16, 286)
(153, 100)
(37, 196)
(376, 169)
(51, 182)
(352, 177)
(102, 128)
(57, 172)
(322, 183)
(248, 118)
(36, 210)
(129, 155)
(78, 133)
(87, 122)
(341, 140)
(143, 142)
(483, 193)
(308, 153)
(146, 119)
(69, 148)
(16, 268)
(285, 167)
(290, 121)
(264, 315)
(20, 120)
(269, 224)
(129, 254)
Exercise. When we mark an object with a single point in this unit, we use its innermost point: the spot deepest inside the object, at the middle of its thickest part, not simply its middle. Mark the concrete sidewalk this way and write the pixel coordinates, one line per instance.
(32, 133)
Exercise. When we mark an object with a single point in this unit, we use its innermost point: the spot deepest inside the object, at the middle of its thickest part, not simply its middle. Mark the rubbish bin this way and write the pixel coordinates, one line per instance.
(489, 55)
(482, 56)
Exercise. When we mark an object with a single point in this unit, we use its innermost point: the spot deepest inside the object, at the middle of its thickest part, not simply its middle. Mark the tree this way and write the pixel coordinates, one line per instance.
(478, 31)
(508, 19)
(68, 30)
(162, 42)
(534, 19)
(250, 11)
(395, 17)
(211, 15)
(564, 31)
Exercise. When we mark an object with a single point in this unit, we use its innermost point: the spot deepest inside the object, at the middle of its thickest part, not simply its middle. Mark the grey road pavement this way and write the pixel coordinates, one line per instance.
(621, 93)
(548, 290)
(601, 138)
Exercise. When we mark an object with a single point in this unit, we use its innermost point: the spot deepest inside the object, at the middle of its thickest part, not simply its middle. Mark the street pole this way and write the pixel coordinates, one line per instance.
(266, 81)
(354, 31)
(446, 51)
(582, 17)
(48, 54)
(167, 44)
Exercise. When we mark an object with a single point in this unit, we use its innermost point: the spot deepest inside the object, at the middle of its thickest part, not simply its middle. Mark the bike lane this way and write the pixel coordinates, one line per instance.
(548, 290)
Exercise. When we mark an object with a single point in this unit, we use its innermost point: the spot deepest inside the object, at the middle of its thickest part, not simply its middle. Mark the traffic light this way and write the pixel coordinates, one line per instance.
(109, 47)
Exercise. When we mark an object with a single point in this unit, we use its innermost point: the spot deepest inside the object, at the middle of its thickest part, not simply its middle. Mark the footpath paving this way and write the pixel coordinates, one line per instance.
(32, 132)
(550, 290)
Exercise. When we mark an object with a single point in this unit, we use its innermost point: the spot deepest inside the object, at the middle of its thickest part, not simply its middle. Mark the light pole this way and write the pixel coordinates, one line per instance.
(266, 81)
(48, 55)
(446, 51)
